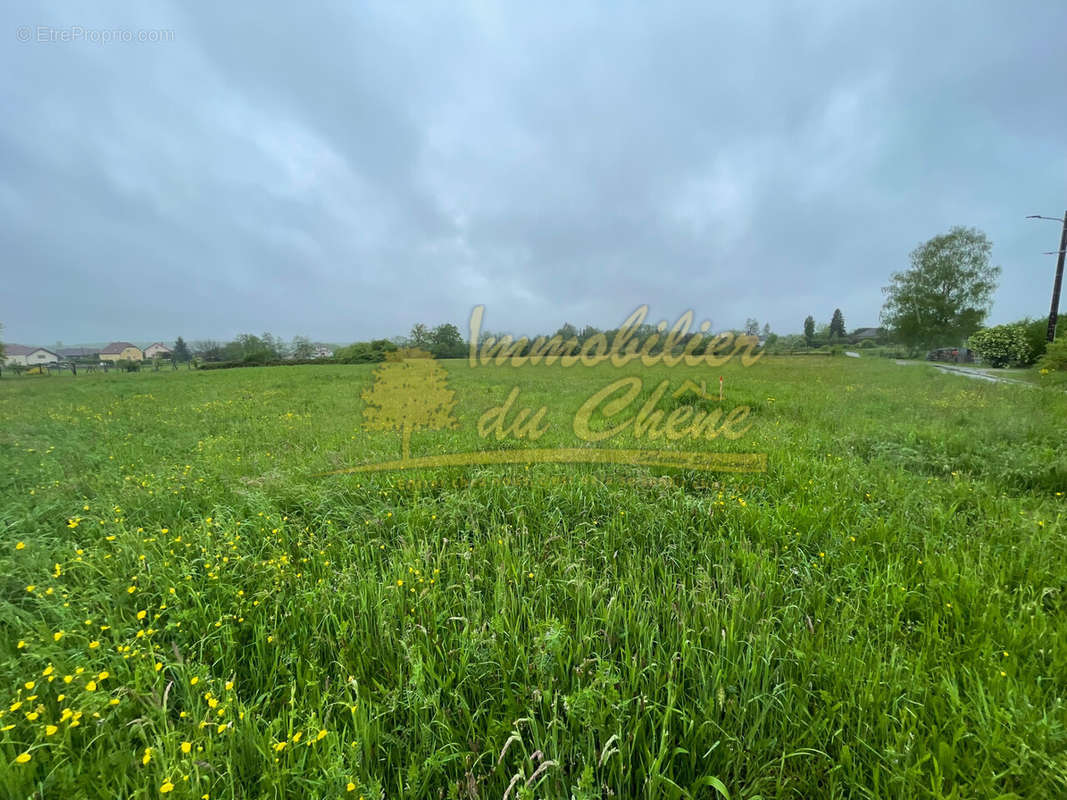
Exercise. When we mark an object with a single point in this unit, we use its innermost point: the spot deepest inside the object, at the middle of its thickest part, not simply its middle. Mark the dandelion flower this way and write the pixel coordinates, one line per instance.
(193, 681)
(321, 735)
(50, 729)
(90, 686)
(280, 746)
(187, 747)
(166, 787)
(22, 758)
(20, 546)
(94, 644)
(351, 787)
(147, 756)
(57, 636)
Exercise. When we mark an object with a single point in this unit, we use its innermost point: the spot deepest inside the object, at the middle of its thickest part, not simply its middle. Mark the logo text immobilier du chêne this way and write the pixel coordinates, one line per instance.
(410, 392)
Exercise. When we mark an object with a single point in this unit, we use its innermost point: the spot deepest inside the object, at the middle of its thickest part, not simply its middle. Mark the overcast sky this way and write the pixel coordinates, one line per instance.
(346, 171)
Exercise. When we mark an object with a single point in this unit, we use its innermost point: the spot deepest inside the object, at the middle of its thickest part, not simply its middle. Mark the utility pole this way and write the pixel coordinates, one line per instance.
(1054, 311)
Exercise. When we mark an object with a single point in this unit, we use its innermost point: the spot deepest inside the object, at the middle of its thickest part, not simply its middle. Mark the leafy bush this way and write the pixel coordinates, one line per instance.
(1036, 336)
(1053, 364)
(365, 352)
(1002, 345)
(866, 343)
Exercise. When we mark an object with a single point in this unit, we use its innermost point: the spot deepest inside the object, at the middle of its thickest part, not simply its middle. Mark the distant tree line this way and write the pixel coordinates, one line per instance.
(247, 348)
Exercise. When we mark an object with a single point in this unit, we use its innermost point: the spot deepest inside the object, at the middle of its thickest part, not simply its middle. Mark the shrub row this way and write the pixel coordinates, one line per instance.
(273, 362)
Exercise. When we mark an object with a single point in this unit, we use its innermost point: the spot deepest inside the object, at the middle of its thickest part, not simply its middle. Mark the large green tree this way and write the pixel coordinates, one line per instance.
(420, 335)
(809, 330)
(837, 325)
(447, 342)
(946, 294)
(181, 351)
(302, 347)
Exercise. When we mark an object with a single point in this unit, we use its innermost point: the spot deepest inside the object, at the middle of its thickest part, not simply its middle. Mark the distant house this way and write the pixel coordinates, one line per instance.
(157, 350)
(121, 351)
(18, 354)
(860, 334)
(322, 351)
(79, 353)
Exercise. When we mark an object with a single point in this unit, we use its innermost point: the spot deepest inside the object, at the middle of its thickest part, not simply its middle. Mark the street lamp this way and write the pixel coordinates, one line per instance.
(1055, 310)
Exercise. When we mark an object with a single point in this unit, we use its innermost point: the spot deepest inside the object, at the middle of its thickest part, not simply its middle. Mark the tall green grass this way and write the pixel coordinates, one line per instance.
(881, 614)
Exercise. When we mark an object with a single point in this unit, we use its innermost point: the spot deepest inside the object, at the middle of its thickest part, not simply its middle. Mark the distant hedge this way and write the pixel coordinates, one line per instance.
(274, 362)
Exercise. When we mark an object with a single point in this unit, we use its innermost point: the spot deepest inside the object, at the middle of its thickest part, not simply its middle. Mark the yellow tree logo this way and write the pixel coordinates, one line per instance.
(409, 393)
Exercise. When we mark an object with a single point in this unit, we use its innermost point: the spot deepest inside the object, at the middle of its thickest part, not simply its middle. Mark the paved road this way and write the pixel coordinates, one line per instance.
(970, 372)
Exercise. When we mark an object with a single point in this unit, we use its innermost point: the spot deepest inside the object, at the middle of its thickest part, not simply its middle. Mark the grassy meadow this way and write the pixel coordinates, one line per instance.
(189, 608)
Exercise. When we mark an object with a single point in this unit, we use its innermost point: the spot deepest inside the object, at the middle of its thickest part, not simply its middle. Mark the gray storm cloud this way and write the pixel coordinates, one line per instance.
(346, 172)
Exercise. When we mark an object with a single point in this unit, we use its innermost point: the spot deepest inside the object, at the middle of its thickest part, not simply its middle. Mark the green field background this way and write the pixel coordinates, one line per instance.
(880, 614)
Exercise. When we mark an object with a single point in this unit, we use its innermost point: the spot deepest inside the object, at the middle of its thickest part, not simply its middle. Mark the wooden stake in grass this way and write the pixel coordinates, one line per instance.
(720, 388)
